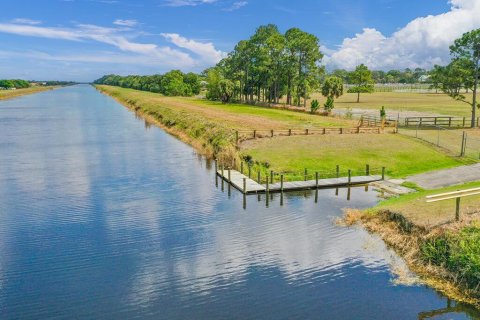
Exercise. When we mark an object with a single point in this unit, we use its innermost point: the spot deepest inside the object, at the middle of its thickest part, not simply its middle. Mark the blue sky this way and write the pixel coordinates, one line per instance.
(84, 39)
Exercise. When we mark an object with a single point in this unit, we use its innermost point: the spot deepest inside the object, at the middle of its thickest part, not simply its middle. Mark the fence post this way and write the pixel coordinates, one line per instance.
(254, 134)
(236, 137)
(289, 132)
(438, 136)
(272, 133)
(306, 132)
(367, 169)
(383, 173)
(463, 144)
(450, 121)
(457, 209)
(464, 122)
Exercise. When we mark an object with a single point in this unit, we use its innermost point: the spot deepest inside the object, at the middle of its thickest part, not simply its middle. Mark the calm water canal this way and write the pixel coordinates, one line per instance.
(104, 217)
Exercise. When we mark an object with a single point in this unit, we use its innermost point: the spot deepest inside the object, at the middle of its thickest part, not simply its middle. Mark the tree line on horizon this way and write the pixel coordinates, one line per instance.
(172, 83)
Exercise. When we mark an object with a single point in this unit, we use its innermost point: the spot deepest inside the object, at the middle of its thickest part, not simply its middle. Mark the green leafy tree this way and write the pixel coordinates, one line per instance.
(226, 88)
(362, 80)
(464, 68)
(332, 87)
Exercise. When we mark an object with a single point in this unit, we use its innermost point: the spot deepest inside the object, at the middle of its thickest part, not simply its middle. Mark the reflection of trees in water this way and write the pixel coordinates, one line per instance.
(452, 307)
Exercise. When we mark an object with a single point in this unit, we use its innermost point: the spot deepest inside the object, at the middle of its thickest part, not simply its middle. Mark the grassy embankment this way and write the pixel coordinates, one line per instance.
(208, 126)
(8, 94)
(433, 103)
(445, 253)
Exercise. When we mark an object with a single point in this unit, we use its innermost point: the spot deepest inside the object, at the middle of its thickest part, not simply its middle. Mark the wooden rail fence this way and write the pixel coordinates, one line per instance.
(438, 121)
(242, 135)
(457, 195)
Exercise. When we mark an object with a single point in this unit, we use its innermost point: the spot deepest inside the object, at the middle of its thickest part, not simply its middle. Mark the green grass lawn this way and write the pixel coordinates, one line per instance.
(400, 155)
(415, 208)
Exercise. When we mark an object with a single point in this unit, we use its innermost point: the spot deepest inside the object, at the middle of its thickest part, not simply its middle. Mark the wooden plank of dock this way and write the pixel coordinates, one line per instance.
(237, 178)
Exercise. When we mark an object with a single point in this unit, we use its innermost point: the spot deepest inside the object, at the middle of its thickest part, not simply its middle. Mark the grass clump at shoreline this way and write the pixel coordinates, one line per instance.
(9, 94)
(445, 253)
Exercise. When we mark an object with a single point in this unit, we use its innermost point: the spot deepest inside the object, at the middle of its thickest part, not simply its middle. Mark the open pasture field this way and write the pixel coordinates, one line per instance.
(403, 102)
(8, 94)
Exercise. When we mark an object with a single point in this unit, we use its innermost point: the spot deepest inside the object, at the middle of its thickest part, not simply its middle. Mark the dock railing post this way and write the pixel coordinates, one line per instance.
(367, 169)
(338, 171)
(216, 166)
(259, 177)
(383, 173)
(306, 173)
(222, 169)
(349, 176)
(271, 176)
(229, 175)
(268, 187)
(281, 183)
(249, 171)
(241, 167)
(316, 180)
(244, 185)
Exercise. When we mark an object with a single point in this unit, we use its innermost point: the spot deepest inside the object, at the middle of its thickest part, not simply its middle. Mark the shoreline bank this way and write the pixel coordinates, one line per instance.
(413, 244)
(10, 94)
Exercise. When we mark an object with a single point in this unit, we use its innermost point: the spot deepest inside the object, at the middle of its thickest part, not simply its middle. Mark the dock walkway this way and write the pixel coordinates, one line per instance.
(237, 180)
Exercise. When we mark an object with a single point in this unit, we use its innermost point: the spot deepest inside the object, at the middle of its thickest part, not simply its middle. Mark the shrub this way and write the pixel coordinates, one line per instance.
(328, 106)
(314, 106)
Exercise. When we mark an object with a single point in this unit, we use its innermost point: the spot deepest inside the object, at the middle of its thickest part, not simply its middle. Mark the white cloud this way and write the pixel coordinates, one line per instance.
(185, 3)
(206, 51)
(114, 37)
(236, 5)
(421, 43)
(26, 21)
(125, 23)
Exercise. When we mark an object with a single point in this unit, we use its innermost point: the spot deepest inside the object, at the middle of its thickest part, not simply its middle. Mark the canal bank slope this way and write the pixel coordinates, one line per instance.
(9, 94)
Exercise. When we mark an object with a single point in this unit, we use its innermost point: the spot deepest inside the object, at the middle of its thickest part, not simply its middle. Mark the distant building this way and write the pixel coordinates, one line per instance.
(424, 78)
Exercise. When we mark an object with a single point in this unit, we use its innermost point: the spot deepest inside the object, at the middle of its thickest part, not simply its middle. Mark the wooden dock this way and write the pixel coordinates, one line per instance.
(249, 186)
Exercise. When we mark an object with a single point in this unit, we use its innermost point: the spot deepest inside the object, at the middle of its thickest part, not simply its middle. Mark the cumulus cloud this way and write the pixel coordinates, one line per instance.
(205, 51)
(421, 43)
